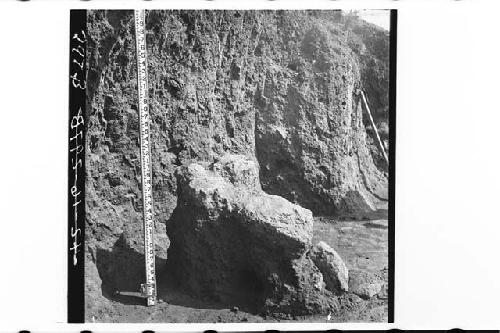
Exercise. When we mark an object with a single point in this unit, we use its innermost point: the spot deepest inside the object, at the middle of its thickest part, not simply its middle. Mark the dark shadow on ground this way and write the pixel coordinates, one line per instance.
(373, 225)
(122, 273)
(171, 291)
(379, 214)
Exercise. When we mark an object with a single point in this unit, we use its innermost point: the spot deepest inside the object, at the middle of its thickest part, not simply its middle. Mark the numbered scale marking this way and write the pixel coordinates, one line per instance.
(149, 288)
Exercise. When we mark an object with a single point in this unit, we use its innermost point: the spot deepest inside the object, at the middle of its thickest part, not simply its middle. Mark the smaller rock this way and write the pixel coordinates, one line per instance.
(365, 284)
(331, 265)
(235, 309)
(384, 292)
(317, 280)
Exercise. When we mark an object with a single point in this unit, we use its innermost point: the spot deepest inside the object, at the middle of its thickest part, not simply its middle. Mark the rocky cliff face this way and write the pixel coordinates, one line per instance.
(278, 87)
(310, 139)
(371, 45)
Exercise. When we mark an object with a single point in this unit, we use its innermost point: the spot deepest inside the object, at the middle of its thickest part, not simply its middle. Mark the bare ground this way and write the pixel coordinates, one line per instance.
(363, 245)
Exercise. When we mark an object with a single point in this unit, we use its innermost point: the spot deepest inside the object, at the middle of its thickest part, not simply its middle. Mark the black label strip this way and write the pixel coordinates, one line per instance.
(76, 165)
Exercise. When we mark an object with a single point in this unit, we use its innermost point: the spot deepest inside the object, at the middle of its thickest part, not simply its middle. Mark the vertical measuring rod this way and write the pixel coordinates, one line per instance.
(149, 288)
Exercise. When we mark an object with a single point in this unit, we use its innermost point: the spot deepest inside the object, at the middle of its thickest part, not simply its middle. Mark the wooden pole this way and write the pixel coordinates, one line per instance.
(380, 145)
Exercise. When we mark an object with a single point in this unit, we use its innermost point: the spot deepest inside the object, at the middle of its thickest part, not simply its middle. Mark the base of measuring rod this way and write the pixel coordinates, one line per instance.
(150, 297)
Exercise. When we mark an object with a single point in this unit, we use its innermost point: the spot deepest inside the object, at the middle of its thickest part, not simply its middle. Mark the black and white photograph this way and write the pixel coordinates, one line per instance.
(249, 166)
(259, 141)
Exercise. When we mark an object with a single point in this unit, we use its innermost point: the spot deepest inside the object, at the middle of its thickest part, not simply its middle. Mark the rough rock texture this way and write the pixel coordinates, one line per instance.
(232, 241)
(114, 242)
(332, 267)
(310, 138)
(279, 86)
(365, 284)
(371, 45)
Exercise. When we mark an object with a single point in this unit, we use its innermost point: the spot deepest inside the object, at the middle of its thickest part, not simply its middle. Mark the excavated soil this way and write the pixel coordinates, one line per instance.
(362, 245)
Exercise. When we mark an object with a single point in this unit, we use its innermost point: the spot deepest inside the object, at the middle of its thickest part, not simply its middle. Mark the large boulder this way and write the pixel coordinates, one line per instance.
(233, 242)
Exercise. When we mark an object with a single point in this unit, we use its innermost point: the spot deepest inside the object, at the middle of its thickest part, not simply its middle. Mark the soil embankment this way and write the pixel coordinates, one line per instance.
(279, 87)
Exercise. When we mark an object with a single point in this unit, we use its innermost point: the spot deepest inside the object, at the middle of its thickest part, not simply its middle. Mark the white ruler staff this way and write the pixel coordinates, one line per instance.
(149, 288)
